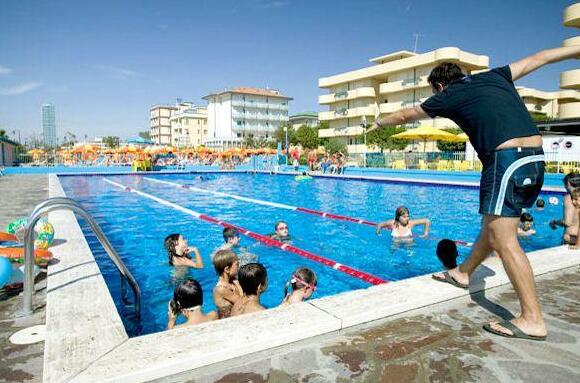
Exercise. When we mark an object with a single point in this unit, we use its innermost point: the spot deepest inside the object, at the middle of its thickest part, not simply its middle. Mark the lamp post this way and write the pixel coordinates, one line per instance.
(364, 126)
(286, 134)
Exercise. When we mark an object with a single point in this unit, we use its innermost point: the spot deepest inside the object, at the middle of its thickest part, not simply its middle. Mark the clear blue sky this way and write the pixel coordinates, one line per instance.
(103, 63)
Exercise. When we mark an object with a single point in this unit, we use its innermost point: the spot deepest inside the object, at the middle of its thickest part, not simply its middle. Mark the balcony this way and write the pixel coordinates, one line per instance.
(571, 41)
(368, 92)
(572, 16)
(341, 132)
(570, 79)
(569, 110)
(347, 113)
(403, 85)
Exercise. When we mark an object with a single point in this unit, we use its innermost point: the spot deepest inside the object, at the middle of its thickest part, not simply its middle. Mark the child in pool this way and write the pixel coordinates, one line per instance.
(526, 225)
(254, 281)
(187, 301)
(227, 291)
(447, 253)
(303, 284)
(402, 225)
(178, 252)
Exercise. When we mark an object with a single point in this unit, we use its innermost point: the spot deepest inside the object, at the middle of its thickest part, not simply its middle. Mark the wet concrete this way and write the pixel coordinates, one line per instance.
(440, 343)
(20, 363)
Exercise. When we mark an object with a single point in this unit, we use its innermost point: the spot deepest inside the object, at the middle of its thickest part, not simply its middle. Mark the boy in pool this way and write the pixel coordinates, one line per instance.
(187, 301)
(227, 291)
(254, 281)
(178, 252)
(575, 198)
(570, 221)
(303, 283)
(282, 234)
(232, 242)
(447, 253)
(526, 225)
(540, 204)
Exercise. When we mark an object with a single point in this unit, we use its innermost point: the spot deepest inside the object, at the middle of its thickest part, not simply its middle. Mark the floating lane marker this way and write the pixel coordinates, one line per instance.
(322, 214)
(259, 237)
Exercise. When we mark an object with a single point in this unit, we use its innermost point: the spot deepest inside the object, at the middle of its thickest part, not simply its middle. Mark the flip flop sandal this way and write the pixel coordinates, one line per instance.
(449, 279)
(516, 332)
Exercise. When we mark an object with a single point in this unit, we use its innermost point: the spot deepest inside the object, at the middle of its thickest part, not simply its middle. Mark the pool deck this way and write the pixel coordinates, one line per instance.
(412, 330)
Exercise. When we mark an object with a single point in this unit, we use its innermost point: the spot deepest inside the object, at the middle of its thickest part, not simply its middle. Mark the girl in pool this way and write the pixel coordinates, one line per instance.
(402, 225)
(187, 301)
(303, 284)
(178, 252)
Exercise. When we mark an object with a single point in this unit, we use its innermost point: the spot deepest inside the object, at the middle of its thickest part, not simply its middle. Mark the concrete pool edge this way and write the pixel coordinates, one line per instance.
(168, 353)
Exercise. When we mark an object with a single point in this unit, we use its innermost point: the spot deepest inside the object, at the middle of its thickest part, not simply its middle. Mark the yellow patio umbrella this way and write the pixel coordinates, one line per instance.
(427, 133)
(463, 137)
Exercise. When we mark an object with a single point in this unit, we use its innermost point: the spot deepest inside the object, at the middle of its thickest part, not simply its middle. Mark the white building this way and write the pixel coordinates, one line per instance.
(235, 114)
(159, 125)
(188, 125)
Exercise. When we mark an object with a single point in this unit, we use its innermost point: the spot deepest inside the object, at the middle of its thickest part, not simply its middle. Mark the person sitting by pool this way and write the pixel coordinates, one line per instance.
(526, 225)
(253, 279)
(570, 222)
(179, 252)
(281, 233)
(540, 204)
(447, 253)
(227, 291)
(187, 301)
(303, 283)
(402, 225)
(232, 242)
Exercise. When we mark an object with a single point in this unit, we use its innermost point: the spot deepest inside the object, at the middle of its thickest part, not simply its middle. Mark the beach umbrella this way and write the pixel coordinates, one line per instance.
(463, 137)
(426, 133)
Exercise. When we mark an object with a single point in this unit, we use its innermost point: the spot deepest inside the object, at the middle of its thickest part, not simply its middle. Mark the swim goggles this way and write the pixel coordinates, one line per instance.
(296, 278)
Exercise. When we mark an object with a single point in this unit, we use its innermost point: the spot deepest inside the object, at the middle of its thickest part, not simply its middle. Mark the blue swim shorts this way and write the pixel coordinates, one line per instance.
(511, 180)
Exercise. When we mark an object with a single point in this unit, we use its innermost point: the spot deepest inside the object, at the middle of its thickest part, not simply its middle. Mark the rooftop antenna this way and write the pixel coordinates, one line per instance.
(417, 35)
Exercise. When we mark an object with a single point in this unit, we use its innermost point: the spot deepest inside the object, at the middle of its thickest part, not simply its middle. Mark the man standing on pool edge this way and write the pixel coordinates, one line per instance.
(489, 109)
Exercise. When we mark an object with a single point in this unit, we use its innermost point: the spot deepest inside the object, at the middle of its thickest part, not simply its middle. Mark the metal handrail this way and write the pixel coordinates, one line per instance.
(63, 203)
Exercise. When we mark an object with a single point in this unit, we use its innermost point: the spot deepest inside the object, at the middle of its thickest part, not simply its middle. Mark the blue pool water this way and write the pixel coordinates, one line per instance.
(136, 227)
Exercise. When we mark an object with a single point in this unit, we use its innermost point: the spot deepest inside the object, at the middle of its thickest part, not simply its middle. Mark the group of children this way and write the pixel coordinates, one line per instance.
(240, 280)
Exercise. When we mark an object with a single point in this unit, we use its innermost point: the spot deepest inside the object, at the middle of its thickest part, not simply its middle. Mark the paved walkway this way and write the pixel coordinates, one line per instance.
(19, 194)
(441, 343)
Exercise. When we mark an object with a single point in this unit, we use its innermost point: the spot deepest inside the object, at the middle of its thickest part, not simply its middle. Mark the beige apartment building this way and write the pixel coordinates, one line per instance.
(159, 125)
(570, 107)
(394, 81)
(188, 125)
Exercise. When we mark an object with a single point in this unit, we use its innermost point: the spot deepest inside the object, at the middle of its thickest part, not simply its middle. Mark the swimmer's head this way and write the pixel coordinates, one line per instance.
(447, 253)
(187, 295)
(571, 181)
(176, 245)
(231, 235)
(443, 75)
(302, 278)
(303, 173)
(253, 278)
(526, 221)
(281, 228)
(540, 203)
(575, 194)
(225, 261)
(402, 215)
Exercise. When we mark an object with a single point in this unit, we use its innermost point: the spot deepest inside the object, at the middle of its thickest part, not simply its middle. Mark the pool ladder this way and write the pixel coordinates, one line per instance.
(63, 203)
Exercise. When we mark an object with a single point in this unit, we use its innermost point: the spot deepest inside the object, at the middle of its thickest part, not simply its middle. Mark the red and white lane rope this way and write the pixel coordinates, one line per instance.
(259, 237)
(322, 214)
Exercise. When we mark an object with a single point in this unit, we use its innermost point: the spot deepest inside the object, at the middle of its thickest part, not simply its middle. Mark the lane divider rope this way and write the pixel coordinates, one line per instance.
(322, 214)
(259, 237)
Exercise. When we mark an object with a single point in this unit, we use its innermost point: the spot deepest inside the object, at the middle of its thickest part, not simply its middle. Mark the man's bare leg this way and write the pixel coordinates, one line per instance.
(503, 239)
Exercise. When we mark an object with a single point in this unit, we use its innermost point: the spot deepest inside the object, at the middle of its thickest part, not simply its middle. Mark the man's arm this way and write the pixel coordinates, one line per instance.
(400, 117)
(529, 64)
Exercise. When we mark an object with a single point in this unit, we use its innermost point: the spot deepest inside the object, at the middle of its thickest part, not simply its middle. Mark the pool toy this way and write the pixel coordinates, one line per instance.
(45, 231)
(7, 237)
(302, 178)
(5, 271)
(553, 200)
(16, 254)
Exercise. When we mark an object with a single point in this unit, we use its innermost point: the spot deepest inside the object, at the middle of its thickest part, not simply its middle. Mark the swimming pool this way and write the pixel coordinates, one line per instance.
(136, 226)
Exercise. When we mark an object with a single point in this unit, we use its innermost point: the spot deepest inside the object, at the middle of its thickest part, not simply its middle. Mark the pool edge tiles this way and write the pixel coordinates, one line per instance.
(82, 322)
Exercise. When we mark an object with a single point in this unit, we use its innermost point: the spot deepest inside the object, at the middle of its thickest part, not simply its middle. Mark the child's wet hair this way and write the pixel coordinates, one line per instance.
(540, 203)
(229, 233)
(401, 210)
(187, 294)
(302, 277)
(251, 276)
(222, 259)
(169, 244)
(447, 253)
(526, 217)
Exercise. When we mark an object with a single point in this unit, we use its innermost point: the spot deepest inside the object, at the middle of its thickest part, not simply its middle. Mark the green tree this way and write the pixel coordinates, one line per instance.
(2, 133)
(111, 141)
(307, 136)
(249, 141)
(447, 146)
(335, 145)
(382, 138)
(280, 135)
(145, 135)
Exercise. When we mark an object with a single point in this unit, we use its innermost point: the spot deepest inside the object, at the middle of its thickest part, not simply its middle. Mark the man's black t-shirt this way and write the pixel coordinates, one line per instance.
(486, 106)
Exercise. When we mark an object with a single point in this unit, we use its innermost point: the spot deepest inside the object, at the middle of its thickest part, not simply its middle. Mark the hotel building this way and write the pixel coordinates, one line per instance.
(48, 125)
(159, 125)
(570, 80)
(235, 114)
(305, 118)
(394, 81)
(188, 125)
